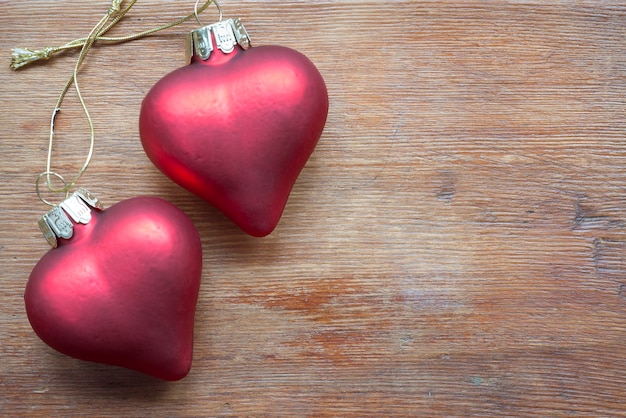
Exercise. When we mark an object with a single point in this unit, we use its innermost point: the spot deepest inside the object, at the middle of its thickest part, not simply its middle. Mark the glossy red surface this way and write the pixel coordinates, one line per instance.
(237, 129)
(123, 289)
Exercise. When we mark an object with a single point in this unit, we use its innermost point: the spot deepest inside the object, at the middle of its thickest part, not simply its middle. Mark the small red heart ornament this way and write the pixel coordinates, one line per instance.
(123, 289)
(237, 125)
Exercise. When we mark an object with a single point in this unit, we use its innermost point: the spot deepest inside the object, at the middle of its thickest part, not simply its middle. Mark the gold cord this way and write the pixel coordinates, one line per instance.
(21, 56)
(24, 56)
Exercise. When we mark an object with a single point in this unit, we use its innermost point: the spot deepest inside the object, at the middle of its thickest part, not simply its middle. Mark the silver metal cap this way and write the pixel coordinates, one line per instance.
(227, 34)
(57, 224)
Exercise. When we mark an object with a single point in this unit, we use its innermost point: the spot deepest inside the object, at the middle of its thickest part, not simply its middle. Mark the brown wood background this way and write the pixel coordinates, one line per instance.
(456, 245)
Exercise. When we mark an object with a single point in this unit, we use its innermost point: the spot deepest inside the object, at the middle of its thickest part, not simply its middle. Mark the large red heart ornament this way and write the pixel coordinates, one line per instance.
(237, 128)
(123, 289)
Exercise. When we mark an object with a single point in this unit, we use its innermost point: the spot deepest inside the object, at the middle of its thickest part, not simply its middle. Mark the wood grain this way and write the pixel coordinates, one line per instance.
(456, 245)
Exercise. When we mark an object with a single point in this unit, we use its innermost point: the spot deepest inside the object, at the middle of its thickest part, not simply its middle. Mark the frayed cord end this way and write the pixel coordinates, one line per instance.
(24, 56)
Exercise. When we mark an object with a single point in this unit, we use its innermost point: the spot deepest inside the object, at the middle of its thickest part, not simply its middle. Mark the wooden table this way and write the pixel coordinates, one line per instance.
(455, 246)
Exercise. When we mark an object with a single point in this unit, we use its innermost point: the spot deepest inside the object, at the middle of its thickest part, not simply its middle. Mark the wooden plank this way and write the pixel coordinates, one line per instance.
(455, 246)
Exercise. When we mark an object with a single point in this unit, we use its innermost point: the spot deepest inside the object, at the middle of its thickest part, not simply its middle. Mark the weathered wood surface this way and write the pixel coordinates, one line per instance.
(456, 245)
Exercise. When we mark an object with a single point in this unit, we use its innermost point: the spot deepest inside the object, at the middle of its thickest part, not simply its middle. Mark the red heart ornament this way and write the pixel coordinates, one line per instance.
(123, 289)
(237, 128)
